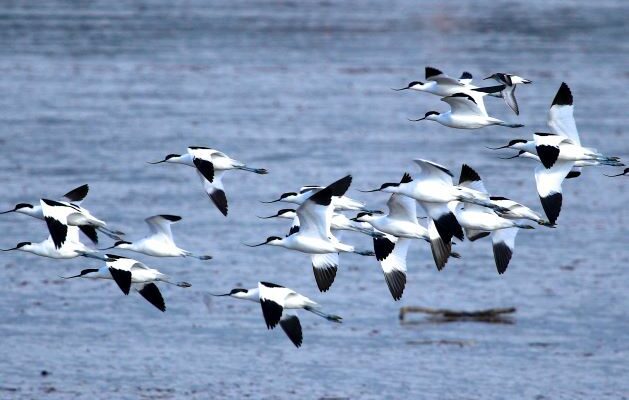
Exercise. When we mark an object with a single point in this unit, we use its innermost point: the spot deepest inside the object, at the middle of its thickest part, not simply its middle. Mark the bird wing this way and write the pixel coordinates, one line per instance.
(151, 293)
(433, 74)
(444, 220)
(470, 179)
(440, 248)
(548, 181)
(402, 208)
(464, 104)
(294, 228)
(561, 115)
(547, 147)
(203, 153)
(56, 217)
(315, 213)
(215, 190)
(503, 241)
(431, 170)
(394, 263)
(76, 195)
(324, 267)
(508, 94)
(159, 225)
(272, 300)
(292, 327)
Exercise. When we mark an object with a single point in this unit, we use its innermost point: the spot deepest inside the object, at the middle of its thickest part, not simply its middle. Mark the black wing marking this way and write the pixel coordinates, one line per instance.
(272, 312)
(292, 328)
(206, 168)
(77, 194)
(122, 278)
(90, 232)
(151, 293)
(58, 231)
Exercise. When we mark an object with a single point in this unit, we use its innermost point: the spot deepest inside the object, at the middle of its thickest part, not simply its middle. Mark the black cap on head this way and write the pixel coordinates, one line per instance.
(287, 194)
(270, 238)
(119, 242)
(168, 157)
(388, 184)
(431, 113)
(515, 141)
(23, 205)
(238, 290)
(22, 244)
(415, 83)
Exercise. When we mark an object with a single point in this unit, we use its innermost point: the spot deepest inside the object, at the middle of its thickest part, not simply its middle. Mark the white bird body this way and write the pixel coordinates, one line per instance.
(339, 222)
(160, 242)
(481, 219)
(401, 221)
(466, 112)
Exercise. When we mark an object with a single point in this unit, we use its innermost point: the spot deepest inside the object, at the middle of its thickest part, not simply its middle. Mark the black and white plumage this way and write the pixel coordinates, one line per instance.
(510, 82)
(63, 240)
(480, 222)
(81, 217)
(129, 273)
(391, 252)
(314, 235)
(210, 164)
(275, 301)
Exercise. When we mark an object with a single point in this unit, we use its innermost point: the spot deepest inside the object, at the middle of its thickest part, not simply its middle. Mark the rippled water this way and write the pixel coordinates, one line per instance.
(91, 91)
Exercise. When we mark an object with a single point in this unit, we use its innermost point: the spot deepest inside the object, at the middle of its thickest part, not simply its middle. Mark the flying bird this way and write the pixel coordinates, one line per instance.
(63, 240)
(211, 165)
(510, 82)
(314, 235)
(275, 301)
(128, 273)
(160, 242)
(81, 217)
(465, 112)
(479, 222)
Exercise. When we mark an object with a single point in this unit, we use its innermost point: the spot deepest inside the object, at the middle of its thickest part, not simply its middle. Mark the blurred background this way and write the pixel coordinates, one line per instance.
(93, 90)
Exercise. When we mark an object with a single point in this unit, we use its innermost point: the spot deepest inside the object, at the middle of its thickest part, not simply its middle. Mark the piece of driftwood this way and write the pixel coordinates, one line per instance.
(491, 315)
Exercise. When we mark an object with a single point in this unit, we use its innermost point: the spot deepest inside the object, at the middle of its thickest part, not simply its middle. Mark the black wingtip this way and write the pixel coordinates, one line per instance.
(336, 189)
(430, 72)
(466, 75)
(171, 218)
(77, 194)
(396, 281)
(502, 256)
(58, 231)
(219, 199)
(292, 328)
(90, 232)
(324, 277)
(468, 174)
(152, 294)
(563, 96)
(573, 174)
(552, 206)
(406, 178)
(448, 226)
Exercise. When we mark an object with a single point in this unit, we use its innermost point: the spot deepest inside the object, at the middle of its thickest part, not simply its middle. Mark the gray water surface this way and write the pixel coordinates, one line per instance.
(93, 90)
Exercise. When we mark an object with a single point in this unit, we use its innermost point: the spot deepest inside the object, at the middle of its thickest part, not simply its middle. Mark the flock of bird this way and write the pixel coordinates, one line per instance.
(453, 211)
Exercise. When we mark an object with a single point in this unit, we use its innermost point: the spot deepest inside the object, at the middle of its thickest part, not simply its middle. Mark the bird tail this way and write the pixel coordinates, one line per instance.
(329, 317)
